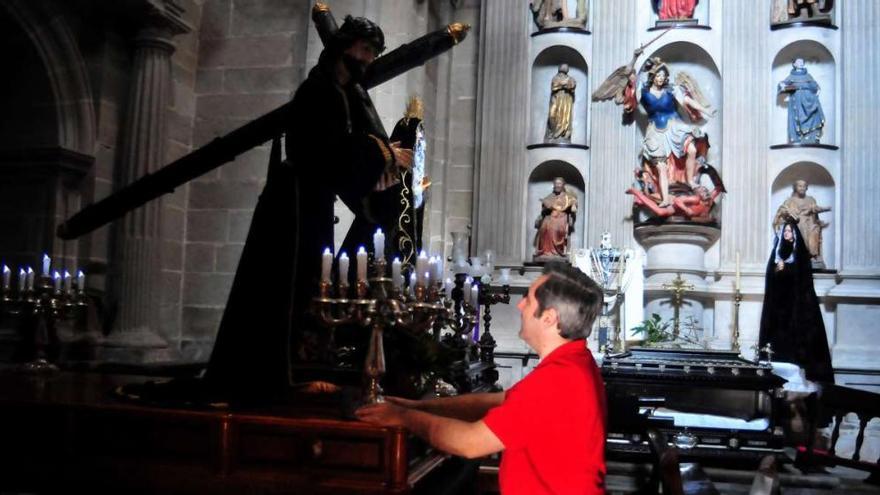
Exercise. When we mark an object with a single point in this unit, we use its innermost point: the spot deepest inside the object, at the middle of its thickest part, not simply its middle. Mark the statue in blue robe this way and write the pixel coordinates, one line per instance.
(805, 117)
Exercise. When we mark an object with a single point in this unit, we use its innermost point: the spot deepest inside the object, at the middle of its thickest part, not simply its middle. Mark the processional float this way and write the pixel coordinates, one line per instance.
(377, 305)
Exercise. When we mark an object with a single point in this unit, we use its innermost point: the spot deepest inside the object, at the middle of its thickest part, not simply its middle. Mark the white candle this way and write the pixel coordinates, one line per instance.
(448, 285)
(80, 280)
(47, 262)
(56, 281)
(413, 280)
(505, 276)
(22, 280)
(326, 265)
(427, 278)
(361, 264)
(737, 286)
(432, 270)
(68, 281)
(438, 275)
(7, 277)
(395, 270)
(466, 289)
(398, 282)
(475, 294)
(343, 268)
(379, 244)
(421, 266)
(30, 278)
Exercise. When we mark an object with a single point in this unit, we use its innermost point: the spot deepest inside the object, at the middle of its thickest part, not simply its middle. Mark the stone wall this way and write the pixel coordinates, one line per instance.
(251, 57)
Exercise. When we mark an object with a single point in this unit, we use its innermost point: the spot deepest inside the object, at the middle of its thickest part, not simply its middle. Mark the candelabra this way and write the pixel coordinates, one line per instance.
(489, 296)
(380, 303)
(40, 306)
(737, 299)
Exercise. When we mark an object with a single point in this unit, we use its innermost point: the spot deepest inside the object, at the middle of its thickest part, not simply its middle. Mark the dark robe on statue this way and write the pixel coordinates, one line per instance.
(791, 320)
(335, 145)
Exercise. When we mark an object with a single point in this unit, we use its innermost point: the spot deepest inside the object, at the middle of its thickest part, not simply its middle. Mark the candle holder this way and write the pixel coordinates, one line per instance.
(489, 296)
(737, 299)
(379, 305)
(40, 307)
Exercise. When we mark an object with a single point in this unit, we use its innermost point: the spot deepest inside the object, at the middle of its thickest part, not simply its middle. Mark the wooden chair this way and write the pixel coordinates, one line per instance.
(836, 401)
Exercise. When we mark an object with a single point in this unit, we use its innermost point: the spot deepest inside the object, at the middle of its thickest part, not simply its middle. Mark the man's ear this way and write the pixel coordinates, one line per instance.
(550, 317)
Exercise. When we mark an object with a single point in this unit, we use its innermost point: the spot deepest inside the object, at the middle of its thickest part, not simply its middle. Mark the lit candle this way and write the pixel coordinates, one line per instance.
(505, 276)
(379, 244)
(395, 271)
(738, 282)
(68, 281)
(427, 278)
(413, 280)
(47, 262)
(56, 281)
(421, 265)
(398, 281)
(30, 278)
(475, 294)
(326, 265)
(361, 264)
(7, 277)
(448, 285)
(466, 289)
(22, 280)
(343, 268)
(80, 281)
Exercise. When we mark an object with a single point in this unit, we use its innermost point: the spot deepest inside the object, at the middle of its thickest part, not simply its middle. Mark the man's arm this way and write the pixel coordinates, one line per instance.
(454, 436)
(467, 407)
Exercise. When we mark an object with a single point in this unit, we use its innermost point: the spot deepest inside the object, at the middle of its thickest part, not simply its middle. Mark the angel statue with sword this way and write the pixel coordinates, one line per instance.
(673, 148)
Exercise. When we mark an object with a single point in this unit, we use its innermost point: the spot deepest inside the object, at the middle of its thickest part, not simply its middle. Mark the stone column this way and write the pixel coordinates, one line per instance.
(138, 240)
(745, 144)
(614, 146)
(860, 73)
(502, 123)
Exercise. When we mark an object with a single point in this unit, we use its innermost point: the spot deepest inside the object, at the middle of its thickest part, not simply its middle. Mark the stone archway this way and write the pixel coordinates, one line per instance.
(65, 67)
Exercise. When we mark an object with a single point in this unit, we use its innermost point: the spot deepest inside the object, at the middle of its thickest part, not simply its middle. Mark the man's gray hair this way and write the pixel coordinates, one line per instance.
(575, 297)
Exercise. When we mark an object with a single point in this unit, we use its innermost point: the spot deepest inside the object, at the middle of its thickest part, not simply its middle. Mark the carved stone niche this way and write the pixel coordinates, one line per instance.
(678, 14)
(797, 13)
(540, 185)
(544, 68)
(822, 188)
(820, 64)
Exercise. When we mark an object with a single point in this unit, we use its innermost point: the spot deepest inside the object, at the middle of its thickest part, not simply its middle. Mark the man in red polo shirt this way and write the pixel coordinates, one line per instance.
(551, 424)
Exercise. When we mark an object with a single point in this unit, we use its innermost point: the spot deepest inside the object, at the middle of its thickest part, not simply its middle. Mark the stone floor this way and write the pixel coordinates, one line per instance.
(627, 478)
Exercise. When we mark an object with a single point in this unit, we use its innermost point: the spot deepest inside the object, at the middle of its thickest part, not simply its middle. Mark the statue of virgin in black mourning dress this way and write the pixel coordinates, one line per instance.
(791, 320)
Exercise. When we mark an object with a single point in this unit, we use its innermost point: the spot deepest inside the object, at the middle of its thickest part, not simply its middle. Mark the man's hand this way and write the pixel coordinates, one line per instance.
(402, 157)
(383, 414)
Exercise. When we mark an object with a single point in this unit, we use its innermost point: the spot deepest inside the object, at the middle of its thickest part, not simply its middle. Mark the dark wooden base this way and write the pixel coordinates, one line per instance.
(66, 431)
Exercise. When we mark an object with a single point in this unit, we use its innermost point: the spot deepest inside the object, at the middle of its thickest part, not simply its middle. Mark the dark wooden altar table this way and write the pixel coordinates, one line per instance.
(66, 432)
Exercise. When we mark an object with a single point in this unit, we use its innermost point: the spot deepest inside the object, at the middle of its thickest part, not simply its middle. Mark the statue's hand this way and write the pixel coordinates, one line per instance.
(403, 157)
